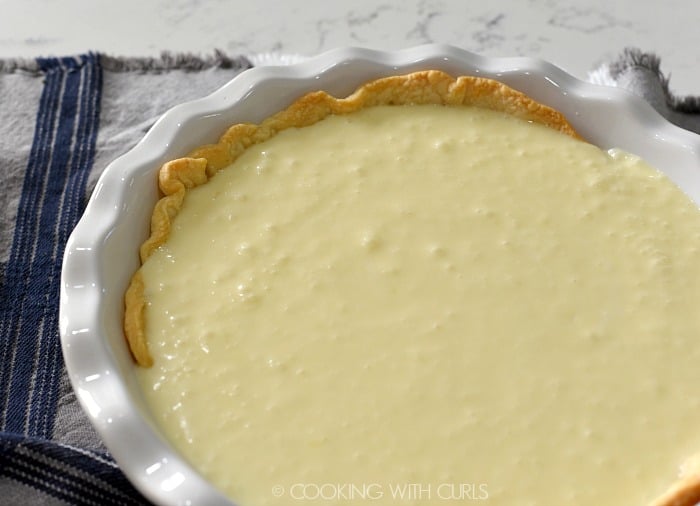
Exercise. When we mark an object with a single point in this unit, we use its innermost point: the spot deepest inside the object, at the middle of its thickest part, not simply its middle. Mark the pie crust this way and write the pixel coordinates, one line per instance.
(427, 87)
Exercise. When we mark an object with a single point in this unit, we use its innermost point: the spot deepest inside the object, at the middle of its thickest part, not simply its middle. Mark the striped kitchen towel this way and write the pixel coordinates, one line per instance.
(62, 120)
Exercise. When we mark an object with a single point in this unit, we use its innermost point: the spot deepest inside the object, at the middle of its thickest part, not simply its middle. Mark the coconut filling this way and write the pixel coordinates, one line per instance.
(442, 296)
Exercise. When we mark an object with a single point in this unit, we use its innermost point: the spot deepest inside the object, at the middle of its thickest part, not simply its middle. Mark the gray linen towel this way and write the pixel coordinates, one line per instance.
(62, 120)
(640, 73)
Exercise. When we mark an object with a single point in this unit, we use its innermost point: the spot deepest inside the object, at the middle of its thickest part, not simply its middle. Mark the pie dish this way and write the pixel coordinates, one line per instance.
(631, 126)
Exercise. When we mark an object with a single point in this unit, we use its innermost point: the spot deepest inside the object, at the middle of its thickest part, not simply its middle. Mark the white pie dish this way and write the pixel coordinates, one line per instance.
(101, 254)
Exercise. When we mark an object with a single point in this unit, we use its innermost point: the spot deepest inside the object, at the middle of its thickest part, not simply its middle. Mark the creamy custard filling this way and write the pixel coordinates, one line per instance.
(441, 296)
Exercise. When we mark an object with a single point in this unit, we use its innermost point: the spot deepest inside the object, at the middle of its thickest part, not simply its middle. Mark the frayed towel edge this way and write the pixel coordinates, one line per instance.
(632, 58)
(165, 62)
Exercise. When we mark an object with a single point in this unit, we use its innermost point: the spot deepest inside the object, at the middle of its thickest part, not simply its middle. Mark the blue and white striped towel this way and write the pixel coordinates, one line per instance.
(62, 120)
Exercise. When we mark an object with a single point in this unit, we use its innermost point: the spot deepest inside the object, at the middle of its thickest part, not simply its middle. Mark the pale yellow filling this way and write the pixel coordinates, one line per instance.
(446, 297)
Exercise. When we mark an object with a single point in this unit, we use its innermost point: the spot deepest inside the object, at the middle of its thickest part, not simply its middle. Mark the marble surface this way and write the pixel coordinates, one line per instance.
(577, 35)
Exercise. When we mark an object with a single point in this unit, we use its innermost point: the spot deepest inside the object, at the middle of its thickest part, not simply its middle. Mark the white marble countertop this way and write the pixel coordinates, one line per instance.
(577, 35)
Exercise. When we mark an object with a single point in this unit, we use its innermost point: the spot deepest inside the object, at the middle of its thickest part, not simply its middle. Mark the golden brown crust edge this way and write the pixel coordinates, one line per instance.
(426, 87)
(686, 490)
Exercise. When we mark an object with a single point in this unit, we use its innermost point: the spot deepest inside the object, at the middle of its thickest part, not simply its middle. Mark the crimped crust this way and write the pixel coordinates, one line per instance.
(427, 87)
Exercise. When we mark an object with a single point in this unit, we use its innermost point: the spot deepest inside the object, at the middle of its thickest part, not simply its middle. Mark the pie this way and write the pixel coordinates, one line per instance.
(430, 290)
